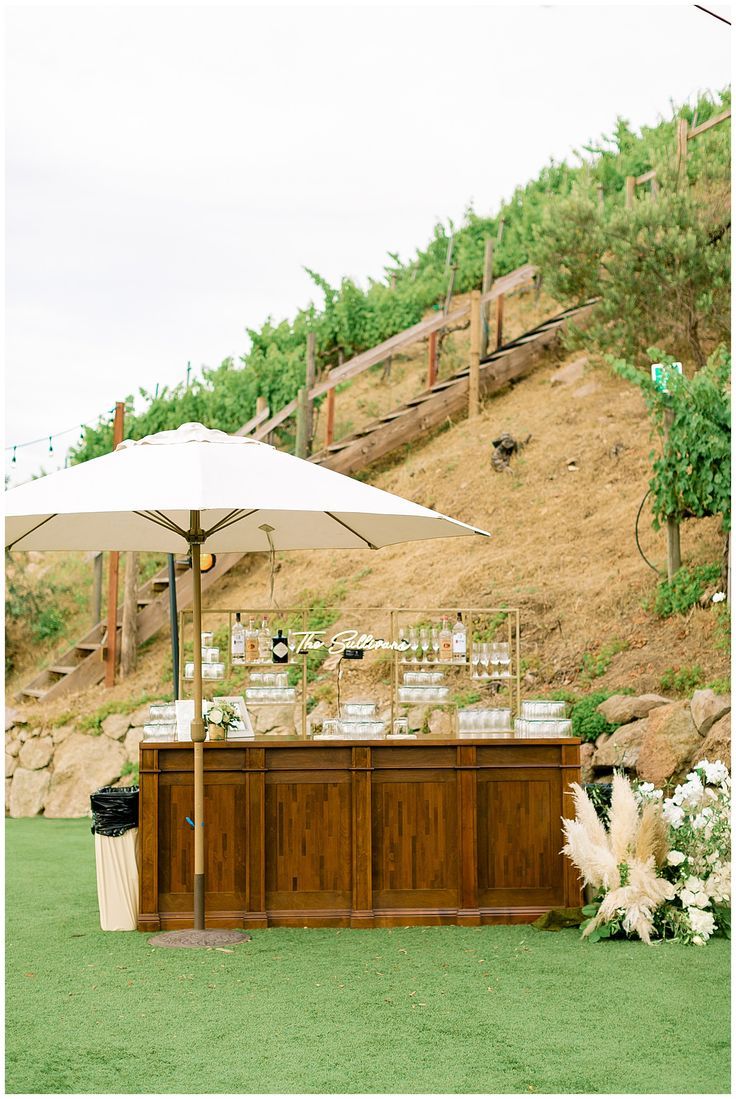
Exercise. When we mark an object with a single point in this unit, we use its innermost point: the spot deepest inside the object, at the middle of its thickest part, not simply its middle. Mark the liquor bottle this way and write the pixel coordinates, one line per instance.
(251, 643)
(459, 641)
(280, 648)
(445, 643)
(264, 642)
(237, 641)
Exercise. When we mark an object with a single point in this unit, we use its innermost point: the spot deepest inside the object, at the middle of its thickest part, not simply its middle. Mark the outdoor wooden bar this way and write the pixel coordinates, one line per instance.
(370, 834)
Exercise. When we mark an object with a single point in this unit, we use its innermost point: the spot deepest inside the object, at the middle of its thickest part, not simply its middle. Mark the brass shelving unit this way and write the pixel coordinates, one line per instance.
(483, 623)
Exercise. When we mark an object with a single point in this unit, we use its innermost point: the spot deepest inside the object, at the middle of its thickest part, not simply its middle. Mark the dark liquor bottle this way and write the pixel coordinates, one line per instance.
(280, 649)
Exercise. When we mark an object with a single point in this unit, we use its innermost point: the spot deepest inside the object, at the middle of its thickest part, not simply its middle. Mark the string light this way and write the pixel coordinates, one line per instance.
(14, 450)
(55, 435)
(51, 446)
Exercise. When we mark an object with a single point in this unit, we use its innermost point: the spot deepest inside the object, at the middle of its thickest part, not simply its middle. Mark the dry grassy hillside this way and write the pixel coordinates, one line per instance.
(562, 545)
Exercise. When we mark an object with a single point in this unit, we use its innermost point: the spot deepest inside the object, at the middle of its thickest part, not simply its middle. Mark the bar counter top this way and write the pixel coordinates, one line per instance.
(359, 833)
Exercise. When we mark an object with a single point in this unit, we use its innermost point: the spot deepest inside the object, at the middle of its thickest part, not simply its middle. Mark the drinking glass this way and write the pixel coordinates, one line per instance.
(402, 638)
(291, 642)
(435, 643)
(414, 644)
(401, 726)
(475, 658)
(425, 644)
(485, 660)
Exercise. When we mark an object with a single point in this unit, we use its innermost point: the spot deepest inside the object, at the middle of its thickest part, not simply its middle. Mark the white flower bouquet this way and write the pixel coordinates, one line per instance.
(663, 867)
(221, 718)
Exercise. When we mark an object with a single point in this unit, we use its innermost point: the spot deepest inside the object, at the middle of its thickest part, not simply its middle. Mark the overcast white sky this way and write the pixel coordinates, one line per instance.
(170, 170)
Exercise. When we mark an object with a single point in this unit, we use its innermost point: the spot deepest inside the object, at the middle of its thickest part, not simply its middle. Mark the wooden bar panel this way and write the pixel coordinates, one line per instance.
(373, 834)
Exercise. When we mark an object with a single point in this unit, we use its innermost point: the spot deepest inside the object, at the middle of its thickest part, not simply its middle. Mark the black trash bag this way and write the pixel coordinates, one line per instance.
(114, 810)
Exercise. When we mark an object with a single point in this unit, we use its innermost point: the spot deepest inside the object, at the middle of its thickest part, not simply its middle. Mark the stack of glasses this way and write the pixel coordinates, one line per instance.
(358, 722)
(266, 687)
(161, 724)
(542, 719)
(490, 723)
(212, 666)
(423, 687)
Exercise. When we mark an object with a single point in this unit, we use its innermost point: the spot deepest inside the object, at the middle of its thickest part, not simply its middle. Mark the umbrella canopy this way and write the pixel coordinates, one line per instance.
(225, 491)
(140, 498)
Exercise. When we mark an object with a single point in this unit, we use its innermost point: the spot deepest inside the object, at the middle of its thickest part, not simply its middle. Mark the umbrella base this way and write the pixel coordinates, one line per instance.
(202, 939)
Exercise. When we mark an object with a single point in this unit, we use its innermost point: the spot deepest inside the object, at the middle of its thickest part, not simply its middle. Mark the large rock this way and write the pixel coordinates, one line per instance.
(621, 709)
(11, 763)
(12, 746)
(36, 753)
(587, 752)
(14, 717)
(668, 744)
(28, 792)
(440, 722)
(81, 765)
(707, 708)
(717, 744)
(140, 716)
(274, 719)
(622, 748)
(133, 737)
(116, 726)
(61, 733)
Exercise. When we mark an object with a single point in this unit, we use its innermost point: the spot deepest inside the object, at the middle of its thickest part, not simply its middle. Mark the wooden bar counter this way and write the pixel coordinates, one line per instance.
(359, 834)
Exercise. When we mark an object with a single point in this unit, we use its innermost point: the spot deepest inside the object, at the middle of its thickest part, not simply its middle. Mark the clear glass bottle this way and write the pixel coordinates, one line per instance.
(237, 641)
(445, 643)
(251, 643)
(280, 648)
(459, 641)
(264, 642)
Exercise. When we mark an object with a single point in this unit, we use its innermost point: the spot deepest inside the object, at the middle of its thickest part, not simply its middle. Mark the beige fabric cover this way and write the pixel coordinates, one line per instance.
(118, 883)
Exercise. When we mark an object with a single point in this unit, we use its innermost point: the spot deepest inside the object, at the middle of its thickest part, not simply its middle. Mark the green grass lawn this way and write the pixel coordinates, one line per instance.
(493, 1009)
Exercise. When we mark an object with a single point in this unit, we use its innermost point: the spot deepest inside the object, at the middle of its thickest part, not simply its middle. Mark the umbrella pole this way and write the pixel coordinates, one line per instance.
(195, 540)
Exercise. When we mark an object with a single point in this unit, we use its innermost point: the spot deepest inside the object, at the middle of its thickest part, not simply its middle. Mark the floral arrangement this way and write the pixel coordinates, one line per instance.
(662, 868)
(223, 714)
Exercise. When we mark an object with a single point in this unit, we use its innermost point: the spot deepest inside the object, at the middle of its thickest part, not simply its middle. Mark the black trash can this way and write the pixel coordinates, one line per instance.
(115, 827)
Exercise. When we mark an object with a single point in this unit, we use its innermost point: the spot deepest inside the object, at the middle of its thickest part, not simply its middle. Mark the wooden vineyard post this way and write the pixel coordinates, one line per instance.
(682, 128)
(654, 187)
(674, 559)
(599, 189)
(330, 418)
(97, 589)
(630, 186)
(487, 284)
(432, 360)
(474, 378)
(111, 655)
(499, 321)
(309, 383)
(129, 638)
(302, 405)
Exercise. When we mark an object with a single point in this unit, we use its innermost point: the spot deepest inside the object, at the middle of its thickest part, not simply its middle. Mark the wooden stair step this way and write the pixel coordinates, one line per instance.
(62, 669)
(143, 601)
(88, 646)
(160, 583)
(33, 692)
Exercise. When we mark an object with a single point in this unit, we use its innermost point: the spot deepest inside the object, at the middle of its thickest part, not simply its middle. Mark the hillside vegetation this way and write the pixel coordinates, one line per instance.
(563, 520)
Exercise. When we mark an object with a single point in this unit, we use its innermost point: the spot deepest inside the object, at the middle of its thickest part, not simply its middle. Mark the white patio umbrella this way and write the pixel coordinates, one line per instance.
(204, 487)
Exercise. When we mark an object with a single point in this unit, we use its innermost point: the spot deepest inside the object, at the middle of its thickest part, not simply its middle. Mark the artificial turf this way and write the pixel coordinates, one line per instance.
(492, 1009)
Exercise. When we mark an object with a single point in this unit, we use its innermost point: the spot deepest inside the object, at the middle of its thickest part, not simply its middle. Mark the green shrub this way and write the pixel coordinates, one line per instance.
(678, 595)
(597, 664)
(587, 723)
(682, 681)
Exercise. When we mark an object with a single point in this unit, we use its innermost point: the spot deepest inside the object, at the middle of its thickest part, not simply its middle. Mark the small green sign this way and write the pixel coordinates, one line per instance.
(660, 372)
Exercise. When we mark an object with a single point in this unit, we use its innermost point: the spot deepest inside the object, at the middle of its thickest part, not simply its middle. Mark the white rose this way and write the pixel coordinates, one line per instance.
(215, 715)
(702, 923)
(674, 858)
(673, 814)
(697, 941)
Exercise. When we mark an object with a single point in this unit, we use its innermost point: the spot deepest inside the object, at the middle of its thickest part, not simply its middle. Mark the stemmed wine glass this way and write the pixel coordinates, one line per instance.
(414, 643)
(425, 644)
(485, 659)
(475, 658)
(402, 638)
(435, 643)
(291, 643)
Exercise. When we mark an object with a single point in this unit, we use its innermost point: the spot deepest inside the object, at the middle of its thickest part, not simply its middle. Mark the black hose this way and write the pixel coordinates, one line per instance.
(636, 535)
